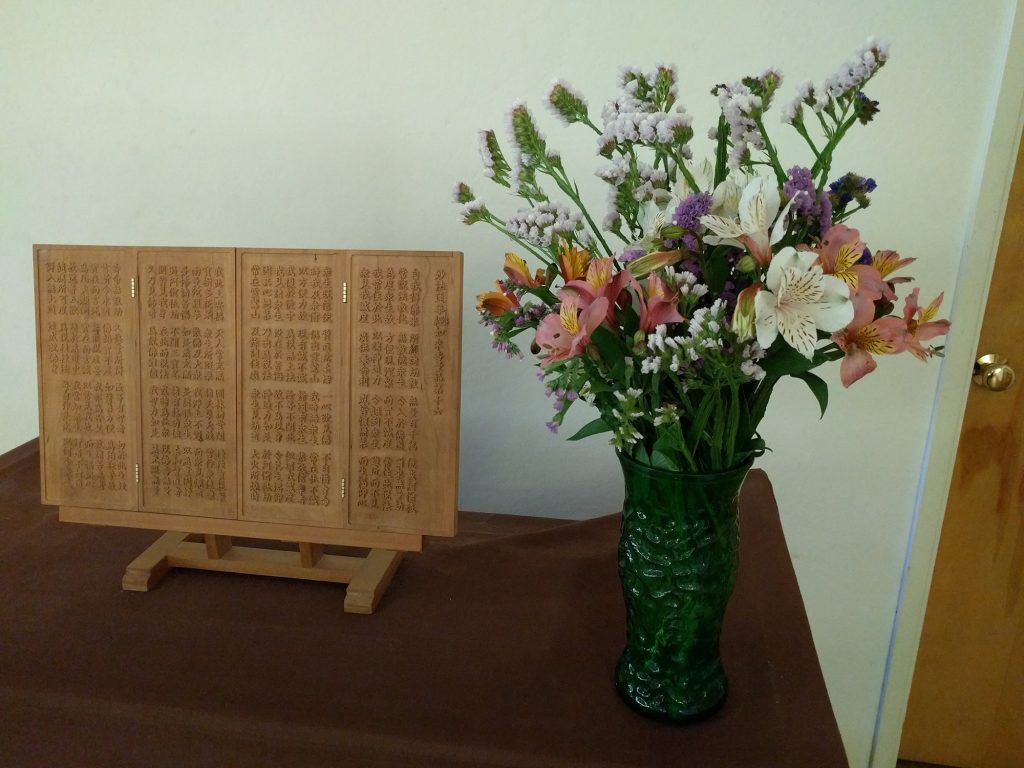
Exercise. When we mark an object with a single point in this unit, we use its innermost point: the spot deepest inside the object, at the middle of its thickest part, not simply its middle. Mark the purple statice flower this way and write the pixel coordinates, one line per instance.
(851, 187)
(552, 427)
(807, 201)
(801, 181)
(692, 266)
(687, 214)
(825, 201)
(631, 254)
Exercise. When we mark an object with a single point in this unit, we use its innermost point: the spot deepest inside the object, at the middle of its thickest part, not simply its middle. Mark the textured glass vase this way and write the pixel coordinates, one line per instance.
(678, 554)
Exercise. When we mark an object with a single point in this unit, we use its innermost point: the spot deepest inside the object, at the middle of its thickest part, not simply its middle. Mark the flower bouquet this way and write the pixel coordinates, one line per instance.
(704, 285)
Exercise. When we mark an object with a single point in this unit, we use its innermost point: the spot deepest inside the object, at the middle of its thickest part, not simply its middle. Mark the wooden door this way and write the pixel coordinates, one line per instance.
(87, 338)
(294, 396)
(188, 381)
(966, 704)
(405, 343)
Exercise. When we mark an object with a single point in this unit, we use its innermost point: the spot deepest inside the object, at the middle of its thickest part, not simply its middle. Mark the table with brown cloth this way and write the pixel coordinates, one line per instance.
(495, 648)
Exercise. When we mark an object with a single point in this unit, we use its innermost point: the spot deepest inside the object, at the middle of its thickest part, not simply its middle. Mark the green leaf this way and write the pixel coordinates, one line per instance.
(818, 388)
(595, 427)
(782, 360)
(662, 461)
(609, 345)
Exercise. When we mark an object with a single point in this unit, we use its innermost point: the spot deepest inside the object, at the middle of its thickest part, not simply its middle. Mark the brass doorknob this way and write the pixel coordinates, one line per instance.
(993, 372)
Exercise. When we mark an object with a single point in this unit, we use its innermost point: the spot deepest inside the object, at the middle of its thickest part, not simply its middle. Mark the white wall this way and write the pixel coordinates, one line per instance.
(317, 124)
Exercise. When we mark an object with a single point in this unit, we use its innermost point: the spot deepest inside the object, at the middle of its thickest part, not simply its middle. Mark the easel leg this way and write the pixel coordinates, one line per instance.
(216, 546)
(146, 571)
(371, 580)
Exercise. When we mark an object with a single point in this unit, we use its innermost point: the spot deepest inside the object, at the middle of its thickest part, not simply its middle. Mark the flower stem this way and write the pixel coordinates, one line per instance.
(495, 222)
(773, 156)
(570, 189)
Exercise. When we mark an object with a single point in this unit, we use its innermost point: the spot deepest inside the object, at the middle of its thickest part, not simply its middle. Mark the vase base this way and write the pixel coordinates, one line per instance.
(651, 700)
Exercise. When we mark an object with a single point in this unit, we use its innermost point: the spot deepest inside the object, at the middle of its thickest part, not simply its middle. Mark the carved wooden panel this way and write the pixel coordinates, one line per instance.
(188, 381)
(293, 390)
(405, 310)
(87, 335)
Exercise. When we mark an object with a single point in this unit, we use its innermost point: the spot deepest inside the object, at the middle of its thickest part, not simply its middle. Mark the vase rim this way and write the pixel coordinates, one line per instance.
(735, 469)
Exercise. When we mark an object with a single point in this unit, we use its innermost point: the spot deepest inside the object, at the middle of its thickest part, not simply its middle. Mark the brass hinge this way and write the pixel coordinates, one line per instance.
(133, 286)
(344, 293)
(136, 473)
(343, 487)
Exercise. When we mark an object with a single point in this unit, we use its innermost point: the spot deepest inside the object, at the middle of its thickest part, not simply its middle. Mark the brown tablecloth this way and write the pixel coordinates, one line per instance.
(495, 648)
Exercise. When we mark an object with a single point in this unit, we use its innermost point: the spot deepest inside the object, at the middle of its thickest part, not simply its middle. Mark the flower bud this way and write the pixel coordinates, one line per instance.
(746, 263)
(744, 316)
(646, 264)
(568, 105)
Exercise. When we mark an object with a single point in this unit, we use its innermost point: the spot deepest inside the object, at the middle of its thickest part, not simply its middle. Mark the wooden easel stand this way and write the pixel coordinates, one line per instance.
(367, 577)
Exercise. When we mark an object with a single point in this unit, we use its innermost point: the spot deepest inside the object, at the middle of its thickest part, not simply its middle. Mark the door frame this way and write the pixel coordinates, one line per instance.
(972, 287)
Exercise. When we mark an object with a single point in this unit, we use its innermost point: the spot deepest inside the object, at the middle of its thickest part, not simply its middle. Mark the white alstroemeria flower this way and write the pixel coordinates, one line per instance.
(798, 300)
(758, 208)
(725, 200)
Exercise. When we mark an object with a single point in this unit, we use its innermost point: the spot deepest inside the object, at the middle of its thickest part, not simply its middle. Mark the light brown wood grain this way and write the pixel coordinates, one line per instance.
(149, 568)
(87, 339)
(300, 461)
(310, 554)
(368, 577)
(369, 583)
(216, 546)
(405, 375)
(294, 411)
(966, 704)
(189, 435)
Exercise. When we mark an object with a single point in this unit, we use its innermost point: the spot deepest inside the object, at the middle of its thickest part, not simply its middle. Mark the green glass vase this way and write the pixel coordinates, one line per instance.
(678, 554)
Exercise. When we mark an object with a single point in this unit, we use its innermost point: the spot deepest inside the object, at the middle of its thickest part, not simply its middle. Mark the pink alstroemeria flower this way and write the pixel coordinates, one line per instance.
(865, 337)
(657, 305)
(567, 334)
(841, 249)
(887, 262)
(600, 282)
(920, 324)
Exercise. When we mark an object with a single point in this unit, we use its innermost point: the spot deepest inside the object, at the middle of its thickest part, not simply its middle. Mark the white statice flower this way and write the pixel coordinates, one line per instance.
(792, 110)
(624, 418)
(799, 300)
(752, 353)
(542, 224)
(486, 155)
(666, 414)
(472, 212)
(615, 172)
(857, 70)
(752, 370)
(739, 105)
(683, 283)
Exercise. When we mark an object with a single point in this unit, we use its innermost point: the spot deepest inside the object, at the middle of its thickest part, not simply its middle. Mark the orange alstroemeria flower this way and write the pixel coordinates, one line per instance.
(519, 273)
(572, 261)
(497, 303)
